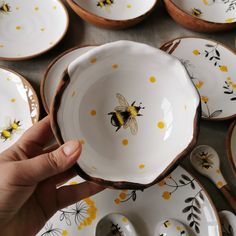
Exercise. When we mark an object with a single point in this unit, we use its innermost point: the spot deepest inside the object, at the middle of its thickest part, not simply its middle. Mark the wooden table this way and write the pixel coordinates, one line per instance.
(156, 30)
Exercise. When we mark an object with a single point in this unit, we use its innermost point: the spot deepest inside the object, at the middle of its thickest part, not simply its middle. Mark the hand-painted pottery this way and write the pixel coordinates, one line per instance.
(179, 196)
(228, 221)
(29, 28)
(231, 146)
(211, 67)
(19, 107)
(128, 114)
(54, 72)
(203, 15)
(113, 13)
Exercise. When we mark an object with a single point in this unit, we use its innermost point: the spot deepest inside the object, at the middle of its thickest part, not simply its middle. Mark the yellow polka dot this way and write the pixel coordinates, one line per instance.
(161, 125)
(54, 7)
(93, 60)
(1, 46)
(196, 52)
(178, 228)
(93, 112)
(36, 8)
(64, 233)
(124, 219)
(223, 68)
(73, 183)
(117, 201)
(42, 29)
(114, 66)
(152, 79)
(229, 20)
(219, 184)
(18, 27)
(129, 6)
(125, 142)
(13, 100)
(141, 166)
(73, 94)
(82, 141)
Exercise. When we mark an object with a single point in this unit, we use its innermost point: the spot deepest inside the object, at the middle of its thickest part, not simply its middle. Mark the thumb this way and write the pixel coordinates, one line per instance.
(49, 164)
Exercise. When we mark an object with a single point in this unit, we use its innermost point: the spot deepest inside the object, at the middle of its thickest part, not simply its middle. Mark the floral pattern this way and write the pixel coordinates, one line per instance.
(104, 3)
(209, 114)
(230, 88)
(126, 195)
(49, 230)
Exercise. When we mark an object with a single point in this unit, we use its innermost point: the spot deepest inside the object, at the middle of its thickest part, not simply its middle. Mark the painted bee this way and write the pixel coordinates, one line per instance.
(105, 3)
(6, 134)
(125, 115)
(115, 230)
(196, 12)
(4, 8)
(205, 160)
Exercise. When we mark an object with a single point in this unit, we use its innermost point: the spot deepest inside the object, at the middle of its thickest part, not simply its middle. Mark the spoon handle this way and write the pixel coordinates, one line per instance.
(229, 196)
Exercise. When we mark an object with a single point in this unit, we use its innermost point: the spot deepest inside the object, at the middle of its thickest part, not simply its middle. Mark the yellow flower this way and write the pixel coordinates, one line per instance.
(204, 99)
(196, 52)
(166, 195)
(234, 85)
(161, 183)
(122, 195)
(64, 233)
(199, 84)
(228, 78)
(223, 68)
(117, 201)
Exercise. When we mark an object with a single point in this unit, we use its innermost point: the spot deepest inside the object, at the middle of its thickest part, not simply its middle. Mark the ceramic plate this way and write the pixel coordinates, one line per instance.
(19, 107)
(211, 66)
(115, 9)
(217, 11)
(179, 196)
(54, 72)
(228, 221)
(231, 146)
(127, 114)
(30, 27)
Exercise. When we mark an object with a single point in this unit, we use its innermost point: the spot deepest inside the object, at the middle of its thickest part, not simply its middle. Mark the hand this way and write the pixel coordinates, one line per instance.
(29, 180)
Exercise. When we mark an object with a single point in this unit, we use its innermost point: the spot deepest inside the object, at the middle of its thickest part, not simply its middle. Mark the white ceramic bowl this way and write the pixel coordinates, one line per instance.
(29, 28)
(140, 86)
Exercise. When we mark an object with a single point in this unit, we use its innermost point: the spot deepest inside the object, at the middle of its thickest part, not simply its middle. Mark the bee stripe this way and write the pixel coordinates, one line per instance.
(120, 118)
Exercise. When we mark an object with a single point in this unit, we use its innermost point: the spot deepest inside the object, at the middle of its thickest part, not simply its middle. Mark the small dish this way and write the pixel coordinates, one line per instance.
(113, 13)
(54, 73)
(178, 196)
(228, 221)
(19, 107)
(29, 28)
(211, 66)
(231, 146)
(134, 121)
(203, 15)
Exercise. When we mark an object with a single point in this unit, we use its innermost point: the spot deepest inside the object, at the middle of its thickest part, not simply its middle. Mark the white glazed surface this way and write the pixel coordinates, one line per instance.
(144, 209)
(31, 27)
(115, 224)
(15, 99)
(119, 9)
(170, 227)
(218, 102)
(96, 78)
(228, 222)
(206, 161)
(233, 146)
(217, 11)
(54, 74)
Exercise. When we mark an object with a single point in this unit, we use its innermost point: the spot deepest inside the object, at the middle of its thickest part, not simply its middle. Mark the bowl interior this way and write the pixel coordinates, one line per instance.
(117, 10)
(210, 10)
(127, 111)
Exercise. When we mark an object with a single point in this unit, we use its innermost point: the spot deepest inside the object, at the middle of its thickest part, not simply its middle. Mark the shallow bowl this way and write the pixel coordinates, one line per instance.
(113, 13)
(203, 15)
(135, 117)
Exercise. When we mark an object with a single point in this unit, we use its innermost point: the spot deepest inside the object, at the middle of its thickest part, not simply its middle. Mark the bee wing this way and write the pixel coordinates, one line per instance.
(127, 123)
(121, 108)
(133, 125)
(122, 101)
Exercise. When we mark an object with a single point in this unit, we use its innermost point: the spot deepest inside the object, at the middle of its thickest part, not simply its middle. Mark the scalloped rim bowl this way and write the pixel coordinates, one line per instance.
(113, 13)
(190, 14)
(128, 114)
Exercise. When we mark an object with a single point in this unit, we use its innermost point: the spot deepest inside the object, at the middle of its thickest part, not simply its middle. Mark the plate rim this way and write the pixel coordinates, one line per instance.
(63, 83)
(48, 48)
(211, 40)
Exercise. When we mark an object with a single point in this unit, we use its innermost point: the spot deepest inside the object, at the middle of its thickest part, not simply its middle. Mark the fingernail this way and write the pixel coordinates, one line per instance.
(71, 147)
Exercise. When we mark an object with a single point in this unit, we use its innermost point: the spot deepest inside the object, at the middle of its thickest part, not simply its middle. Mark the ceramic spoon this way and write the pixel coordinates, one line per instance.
(206, 161)
(171, 227)
(115, 224)
(228, 222)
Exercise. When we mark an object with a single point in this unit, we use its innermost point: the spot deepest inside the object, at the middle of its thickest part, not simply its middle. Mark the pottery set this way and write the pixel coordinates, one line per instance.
(135, 109)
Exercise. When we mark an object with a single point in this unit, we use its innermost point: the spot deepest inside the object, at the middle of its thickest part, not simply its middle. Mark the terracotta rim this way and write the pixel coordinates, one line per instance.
(221, 44)
(117, 184)
(198, 19)
(53, 62)
(109, 22)
(229, 147)
(25, 82)
(49, 48)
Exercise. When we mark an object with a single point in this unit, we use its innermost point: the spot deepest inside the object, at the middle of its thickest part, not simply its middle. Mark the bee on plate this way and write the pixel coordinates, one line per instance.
(4, 8)
(104, 3)
(125, 115)
(196, 12)
(7, 133)
(205, 160)
(115, 230)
